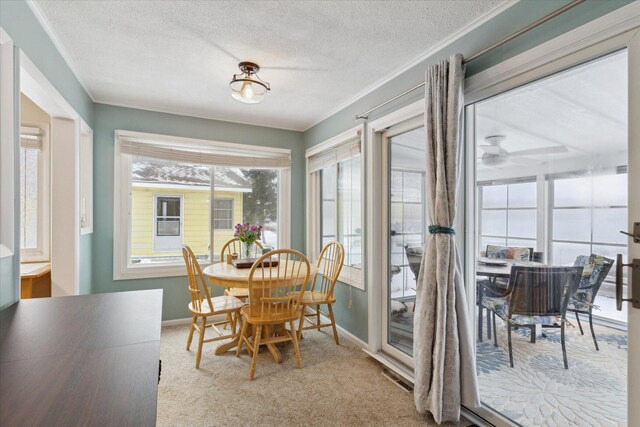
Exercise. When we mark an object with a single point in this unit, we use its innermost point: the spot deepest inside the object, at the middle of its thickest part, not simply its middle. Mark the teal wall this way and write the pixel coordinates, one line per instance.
(109, 119)
(22, 26)
(513, 19)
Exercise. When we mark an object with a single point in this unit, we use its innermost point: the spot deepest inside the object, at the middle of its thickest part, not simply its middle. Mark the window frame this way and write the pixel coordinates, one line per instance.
(123, 269)
(349, 275)
(42, 252)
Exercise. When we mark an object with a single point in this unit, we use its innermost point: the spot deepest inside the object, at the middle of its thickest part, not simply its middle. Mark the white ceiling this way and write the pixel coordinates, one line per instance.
(583, 109)
(178, 57)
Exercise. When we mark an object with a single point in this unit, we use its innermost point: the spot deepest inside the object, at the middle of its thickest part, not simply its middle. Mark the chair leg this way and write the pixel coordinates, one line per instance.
(564, 347)
(533, 334)
(495, 330)
(242, 335)
(301, 323)
(480, 323)
(333, 324)
(318, 315)
(296, 348)
(593, 334)
(489, 324)
(200, 340)
(579, 324)
(193, 328)
(509, 339)
(228, 320)
(256, 347)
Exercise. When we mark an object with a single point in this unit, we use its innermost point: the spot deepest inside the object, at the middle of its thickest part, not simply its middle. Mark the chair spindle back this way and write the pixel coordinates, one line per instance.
(234, 246)
(329, 266)
(272, 289)
(198, 289)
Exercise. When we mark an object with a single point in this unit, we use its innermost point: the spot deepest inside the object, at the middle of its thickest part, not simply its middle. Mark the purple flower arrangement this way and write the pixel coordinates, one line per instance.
(248, 233)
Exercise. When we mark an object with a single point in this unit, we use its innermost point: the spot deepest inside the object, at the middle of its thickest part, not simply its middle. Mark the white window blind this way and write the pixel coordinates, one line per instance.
(31, 138)
(227, 155)
(344, 151)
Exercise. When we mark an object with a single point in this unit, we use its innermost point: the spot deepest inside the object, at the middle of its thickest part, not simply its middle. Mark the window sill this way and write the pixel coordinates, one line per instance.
(151, 271)
(352, 277)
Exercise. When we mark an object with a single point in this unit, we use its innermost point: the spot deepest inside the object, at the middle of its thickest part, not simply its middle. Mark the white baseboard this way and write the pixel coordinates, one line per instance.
(348, 335)
(176, 322)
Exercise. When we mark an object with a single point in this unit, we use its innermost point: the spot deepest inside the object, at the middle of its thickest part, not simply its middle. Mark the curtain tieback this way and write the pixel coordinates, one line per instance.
(437, 229)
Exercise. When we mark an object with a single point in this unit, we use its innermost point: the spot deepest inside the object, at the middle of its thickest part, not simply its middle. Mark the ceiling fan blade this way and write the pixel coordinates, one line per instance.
(491, 149)
(538, 151)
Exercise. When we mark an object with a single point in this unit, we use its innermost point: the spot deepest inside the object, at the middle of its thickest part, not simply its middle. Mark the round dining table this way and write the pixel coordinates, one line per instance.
(228, 276)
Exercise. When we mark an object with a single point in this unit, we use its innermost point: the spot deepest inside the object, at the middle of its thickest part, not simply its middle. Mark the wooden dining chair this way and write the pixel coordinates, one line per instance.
(234, 246)
(321, 293)
(273, 302)
(202, 305)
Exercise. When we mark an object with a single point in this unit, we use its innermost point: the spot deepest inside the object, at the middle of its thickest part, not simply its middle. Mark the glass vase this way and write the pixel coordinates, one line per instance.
(248, 250)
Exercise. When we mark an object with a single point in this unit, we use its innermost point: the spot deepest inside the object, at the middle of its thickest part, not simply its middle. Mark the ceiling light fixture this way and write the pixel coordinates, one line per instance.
(246, 86)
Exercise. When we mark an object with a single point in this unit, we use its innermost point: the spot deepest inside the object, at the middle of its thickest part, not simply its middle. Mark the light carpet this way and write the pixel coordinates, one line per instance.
(337, 385)
(538, 391)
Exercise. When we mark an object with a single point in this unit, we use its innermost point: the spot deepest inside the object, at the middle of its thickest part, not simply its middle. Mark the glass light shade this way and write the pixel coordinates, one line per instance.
(247, 90)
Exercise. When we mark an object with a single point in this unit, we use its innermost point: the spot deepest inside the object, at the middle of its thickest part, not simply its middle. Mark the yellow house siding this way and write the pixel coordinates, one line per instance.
(196, 220)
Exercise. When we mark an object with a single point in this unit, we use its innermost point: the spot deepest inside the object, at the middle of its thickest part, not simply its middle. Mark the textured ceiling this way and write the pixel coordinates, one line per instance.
(178, 57)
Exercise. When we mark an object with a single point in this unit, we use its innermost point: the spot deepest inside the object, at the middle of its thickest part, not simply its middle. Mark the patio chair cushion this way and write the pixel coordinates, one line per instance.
(583, 298)
(500, 305)
(505, 252)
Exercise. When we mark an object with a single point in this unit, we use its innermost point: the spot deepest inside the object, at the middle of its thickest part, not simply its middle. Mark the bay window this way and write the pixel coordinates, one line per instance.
(334, 199)
(173, 191)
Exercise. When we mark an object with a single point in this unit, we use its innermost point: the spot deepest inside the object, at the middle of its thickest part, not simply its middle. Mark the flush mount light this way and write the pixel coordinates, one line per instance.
(246, 86)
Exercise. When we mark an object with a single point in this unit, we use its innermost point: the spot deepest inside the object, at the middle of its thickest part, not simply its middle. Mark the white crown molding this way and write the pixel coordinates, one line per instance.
(478, 22)
(616, 23)
(46, 25)
(175, 112)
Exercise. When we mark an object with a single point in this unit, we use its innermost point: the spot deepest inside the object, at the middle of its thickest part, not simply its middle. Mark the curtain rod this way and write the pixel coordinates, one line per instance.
(483, 51)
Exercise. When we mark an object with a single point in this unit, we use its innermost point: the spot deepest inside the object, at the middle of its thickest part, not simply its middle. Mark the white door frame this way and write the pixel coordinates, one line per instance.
(617, 30)
(66, 129)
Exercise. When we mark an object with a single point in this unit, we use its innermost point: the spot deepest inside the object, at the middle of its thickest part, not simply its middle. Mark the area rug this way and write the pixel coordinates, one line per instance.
(337, 386)
(538, 391)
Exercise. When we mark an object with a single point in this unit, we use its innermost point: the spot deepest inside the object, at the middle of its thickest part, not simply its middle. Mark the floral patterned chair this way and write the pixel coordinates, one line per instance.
(594, 271)
(536, 296)
(498, 287)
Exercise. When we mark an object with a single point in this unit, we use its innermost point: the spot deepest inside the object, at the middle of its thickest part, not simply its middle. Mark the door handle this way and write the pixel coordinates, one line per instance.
(635, 234)
(635, 283)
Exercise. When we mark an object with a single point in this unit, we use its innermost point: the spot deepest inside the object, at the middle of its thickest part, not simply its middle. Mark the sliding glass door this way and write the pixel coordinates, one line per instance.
(405, 231)
(551, 191)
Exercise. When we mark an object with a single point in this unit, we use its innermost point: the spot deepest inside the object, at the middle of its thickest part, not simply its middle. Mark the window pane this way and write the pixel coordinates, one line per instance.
(484, 241)
(610, 190)
(349, 205)
(223, 214)
(607, 224)
(522, 243)
(522, 223)
(164, 193)
(566, 253)
(611, 252)
(572, 224)
(572, 192)
(258, 202)
(28, 199)
(494, 196)
(494, 222)
(412, 187)
(522, 195)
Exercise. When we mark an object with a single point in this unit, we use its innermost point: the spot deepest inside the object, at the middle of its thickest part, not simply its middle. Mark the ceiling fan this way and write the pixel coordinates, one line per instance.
(494, 154)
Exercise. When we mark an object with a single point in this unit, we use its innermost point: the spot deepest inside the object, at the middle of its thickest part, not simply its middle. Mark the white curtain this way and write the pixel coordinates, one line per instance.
(445, 374)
